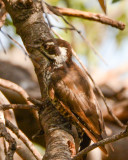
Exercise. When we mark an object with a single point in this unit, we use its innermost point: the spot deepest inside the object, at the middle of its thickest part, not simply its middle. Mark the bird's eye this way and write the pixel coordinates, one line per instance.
(46, 46)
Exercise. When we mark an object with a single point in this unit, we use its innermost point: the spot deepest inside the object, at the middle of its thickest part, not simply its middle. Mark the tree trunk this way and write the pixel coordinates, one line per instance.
(27, 16)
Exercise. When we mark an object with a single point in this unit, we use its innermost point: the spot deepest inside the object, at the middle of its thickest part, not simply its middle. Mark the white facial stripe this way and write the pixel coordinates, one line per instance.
(63, 51)
(50, 43)
(60, 58)
(63, 55)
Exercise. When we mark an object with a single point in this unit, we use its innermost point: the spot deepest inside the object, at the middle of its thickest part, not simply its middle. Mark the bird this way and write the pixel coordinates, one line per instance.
(72, 87)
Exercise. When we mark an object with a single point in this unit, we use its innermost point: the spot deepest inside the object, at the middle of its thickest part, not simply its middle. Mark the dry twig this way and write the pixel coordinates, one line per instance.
(90, 16)
(17, 106)
(26, 141)
(14, 87)
(12, 39)
(4, 133)
(22, 150)
(10, 140)
(102, 142)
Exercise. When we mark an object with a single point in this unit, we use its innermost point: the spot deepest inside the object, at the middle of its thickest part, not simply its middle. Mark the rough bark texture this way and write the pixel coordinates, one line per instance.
(27, 16)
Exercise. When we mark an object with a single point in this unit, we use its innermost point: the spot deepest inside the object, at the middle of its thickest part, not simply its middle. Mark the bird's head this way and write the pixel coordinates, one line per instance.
(59, 51)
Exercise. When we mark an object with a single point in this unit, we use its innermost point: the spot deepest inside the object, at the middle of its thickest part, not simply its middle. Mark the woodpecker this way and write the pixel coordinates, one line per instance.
(71, 86)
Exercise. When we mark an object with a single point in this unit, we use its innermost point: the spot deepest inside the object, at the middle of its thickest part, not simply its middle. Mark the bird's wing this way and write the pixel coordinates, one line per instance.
(88, 133)
(74, 91)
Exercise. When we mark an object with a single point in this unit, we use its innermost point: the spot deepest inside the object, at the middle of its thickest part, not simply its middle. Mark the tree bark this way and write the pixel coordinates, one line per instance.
(27, 16)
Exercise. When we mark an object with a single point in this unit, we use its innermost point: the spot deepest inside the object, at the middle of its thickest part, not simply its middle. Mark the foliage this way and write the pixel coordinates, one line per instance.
(114, 1)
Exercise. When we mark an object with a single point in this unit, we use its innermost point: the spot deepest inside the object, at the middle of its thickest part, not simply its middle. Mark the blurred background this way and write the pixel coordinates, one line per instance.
(112, 76)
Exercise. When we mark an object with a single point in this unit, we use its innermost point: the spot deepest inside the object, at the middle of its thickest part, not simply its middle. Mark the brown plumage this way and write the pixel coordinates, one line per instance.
(73, 89)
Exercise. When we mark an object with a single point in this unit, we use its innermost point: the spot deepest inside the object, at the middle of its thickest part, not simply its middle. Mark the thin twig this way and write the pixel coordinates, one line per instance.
(45, 9)
(93, 48)
(85, 39)
(10, 140)
(63, 28)
(17, 106)
(23, 150)
(3, 149)
(14, 87)
(26, 141)
(35, 101)
(120, 109)
(56, 34)
(7, 35)
(109, 109)
(101, 143)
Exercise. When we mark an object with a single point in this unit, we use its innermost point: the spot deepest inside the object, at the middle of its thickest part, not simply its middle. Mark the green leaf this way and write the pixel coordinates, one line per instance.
(114, 1)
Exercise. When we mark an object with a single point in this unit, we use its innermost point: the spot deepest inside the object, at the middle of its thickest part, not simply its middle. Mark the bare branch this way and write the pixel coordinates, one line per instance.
(26, 141)
(18, 106)
(120, 109)
(102, 142)
(14, 87)
(12, 39)
(22, 150)
(10, 140)
(4, 133)
(35, 101)
(2, 120)
(90, 16)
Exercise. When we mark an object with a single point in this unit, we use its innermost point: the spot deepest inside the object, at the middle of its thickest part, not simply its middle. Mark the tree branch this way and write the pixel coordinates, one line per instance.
(26, 141)
(28, 18)
(4, 133)
(22, 150)
(87, 15)
(17, 106)
(102, 142)
(10, 140)
(16, 88)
